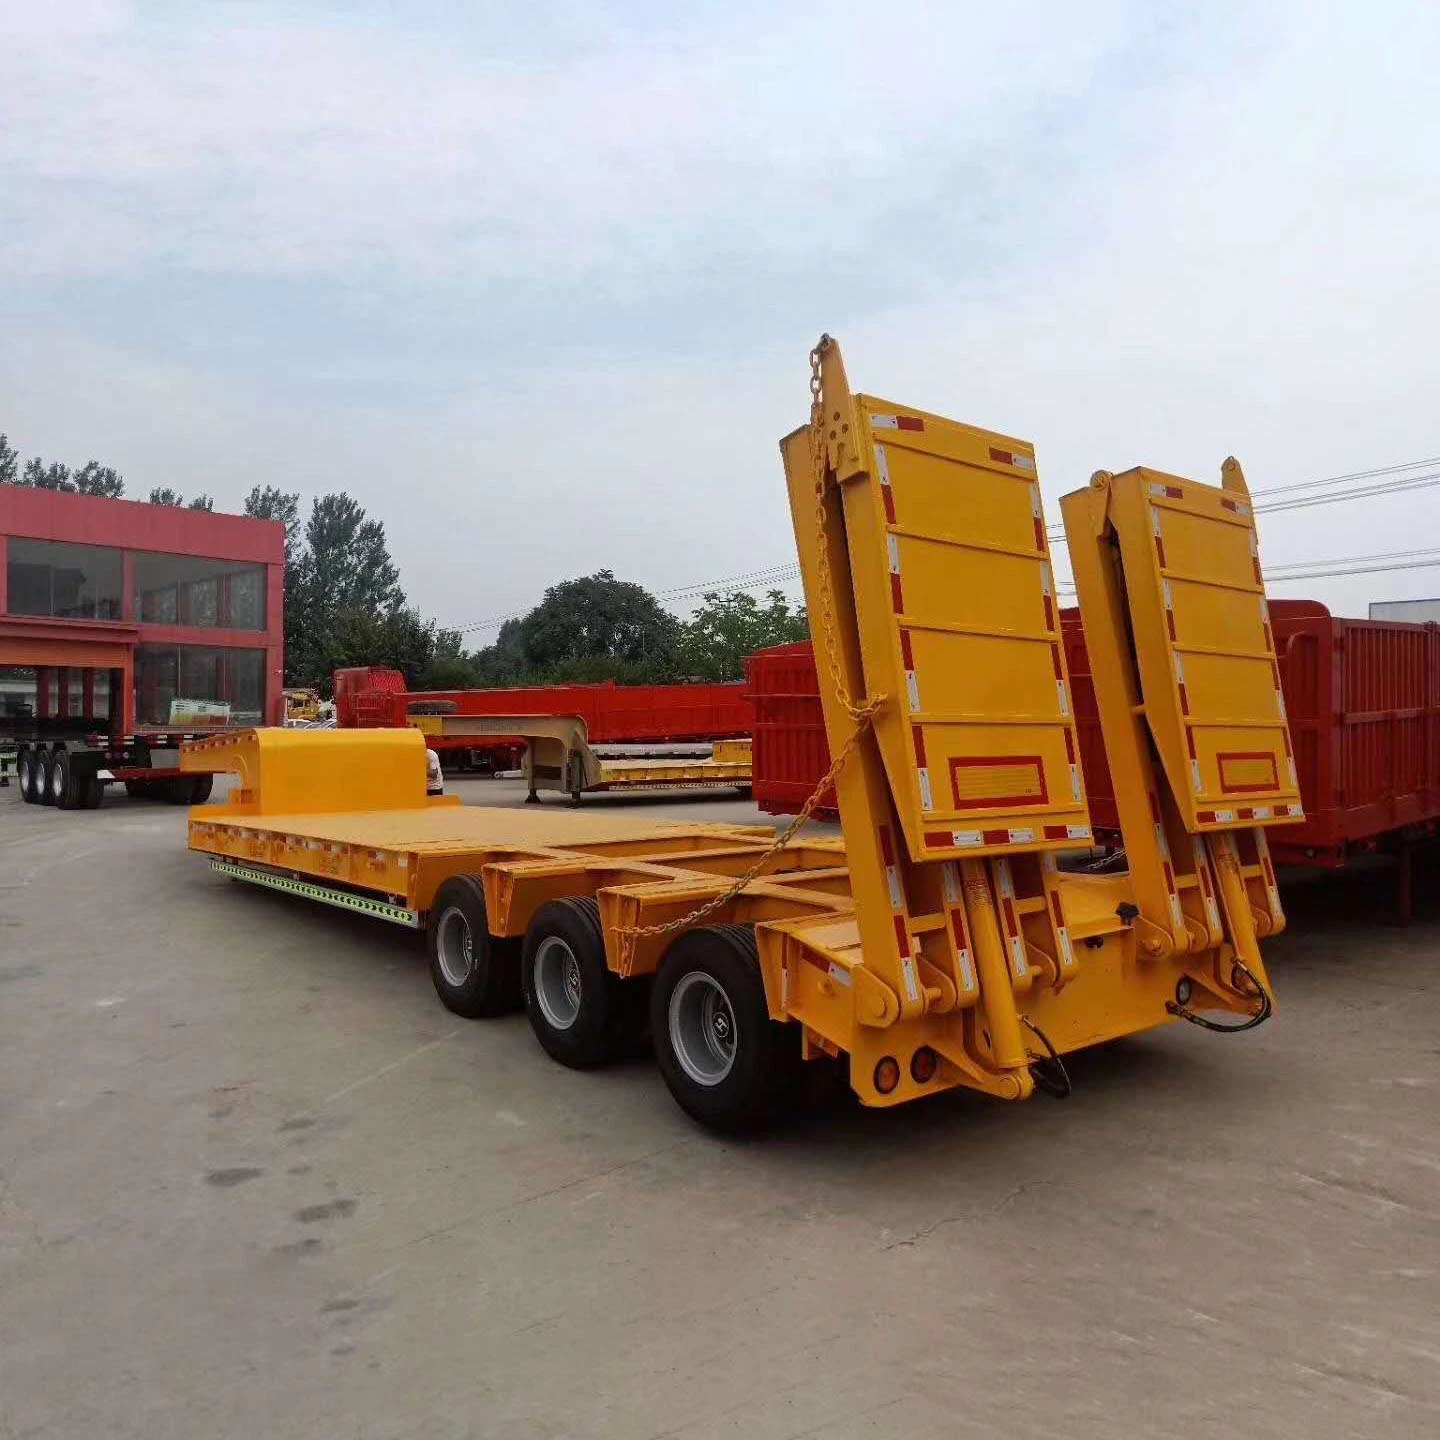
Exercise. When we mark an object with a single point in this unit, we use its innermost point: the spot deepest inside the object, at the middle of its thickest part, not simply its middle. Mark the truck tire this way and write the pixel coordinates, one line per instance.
(582, 1013)
(27, 770)
(138, 790)
(475, 973)
(200, 788)
(64, 783)
(725, 1061)
(175, 790)
(92, 793)
(44, 795)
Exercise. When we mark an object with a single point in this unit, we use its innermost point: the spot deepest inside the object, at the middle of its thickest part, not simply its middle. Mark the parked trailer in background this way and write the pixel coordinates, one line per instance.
(1363, 698)
(376, 698)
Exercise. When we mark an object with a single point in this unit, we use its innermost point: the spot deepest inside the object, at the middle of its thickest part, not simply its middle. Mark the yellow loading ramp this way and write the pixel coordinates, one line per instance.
(1209, 675)
(957, 620)
(559, 756)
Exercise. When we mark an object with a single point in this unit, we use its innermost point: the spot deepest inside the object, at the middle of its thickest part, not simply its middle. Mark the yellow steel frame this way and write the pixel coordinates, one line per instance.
(945, 922)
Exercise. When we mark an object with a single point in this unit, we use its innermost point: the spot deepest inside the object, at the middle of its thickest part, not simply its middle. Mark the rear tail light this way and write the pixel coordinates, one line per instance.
(887, 1074)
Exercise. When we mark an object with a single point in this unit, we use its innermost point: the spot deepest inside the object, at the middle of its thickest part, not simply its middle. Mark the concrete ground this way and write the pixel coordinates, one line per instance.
(255, 1182)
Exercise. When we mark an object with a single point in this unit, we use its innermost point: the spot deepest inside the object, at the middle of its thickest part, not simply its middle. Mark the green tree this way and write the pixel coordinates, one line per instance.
(93, 478)
(9, 461)
(164, 495)
(202, 502)
(596, 627)
(727, 627)
(268, 503)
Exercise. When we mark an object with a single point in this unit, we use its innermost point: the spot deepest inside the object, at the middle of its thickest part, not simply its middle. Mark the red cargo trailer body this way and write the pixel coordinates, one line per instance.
(1363, 698)
(613, 714)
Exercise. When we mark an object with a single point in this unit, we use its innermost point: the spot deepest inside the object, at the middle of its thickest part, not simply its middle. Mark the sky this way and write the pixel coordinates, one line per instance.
(536, 282)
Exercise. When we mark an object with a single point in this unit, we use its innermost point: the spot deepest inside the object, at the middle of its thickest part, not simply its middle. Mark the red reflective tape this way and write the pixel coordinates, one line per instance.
(1174, 492)
(957, 928)
(1056, 911)
(1255, 565)
(1069, 746)
(1056, 663)
(1170, 625)
(888, 497)
(897, 595)
(995, 837)
(1160, 551)
(1169, 876)
(1230, 505)
(1285, 735)
(1269, 638)
(1244, 813)
(1190, 742)
(1002, 457)
(1269, 871)
(887, 850)
(1184, 700)
(909, 422)
(1039, 533)
(1205, 817)
(1056, 832)
(918, 736)
(1275, 674)
(1012, 926)
(902, 935)
(1155, 806)
(1049, 613)
(907, 651)
(939, 840)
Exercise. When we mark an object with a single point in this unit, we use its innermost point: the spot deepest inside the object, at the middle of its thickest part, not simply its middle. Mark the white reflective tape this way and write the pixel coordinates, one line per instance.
(1280, 703)
(1017, 949)
(893, 545)
(1075, 787)
(1254, 546)
(892, 878)
(927, 801)
(1155, 521)
(1158, 491)
(1022, 462)
(882, 465)
(1295, 810)
(1067, 954)
(1161, 843)
(950, 878)
(884, 422)
(1003, 879)
(963, 839)
(1262, 812)
(839, 974)
(912, 690)
(1077, 832)
(1224, 817)
(1047, 581)
(1295, 781)
(1195, 777)
(1064, 698)
(1169, 595)
(1179, 669)
(1177, 913)
(1035, 501)
(912, 987)
(967, 971)
(1023, 836)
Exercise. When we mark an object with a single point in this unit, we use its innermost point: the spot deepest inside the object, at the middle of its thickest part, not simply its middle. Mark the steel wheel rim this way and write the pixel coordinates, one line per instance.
(455, 948)
(703, 1032)
(558, 982)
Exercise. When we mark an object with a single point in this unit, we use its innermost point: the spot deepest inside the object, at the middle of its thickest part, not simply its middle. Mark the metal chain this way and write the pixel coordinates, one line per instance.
(861, 712)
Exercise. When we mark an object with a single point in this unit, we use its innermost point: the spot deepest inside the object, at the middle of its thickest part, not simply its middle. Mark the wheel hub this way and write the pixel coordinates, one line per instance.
(703, 1033)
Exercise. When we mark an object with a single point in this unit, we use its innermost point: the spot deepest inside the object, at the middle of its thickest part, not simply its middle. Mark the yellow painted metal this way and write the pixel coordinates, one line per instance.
(944, 921)
(316, 771)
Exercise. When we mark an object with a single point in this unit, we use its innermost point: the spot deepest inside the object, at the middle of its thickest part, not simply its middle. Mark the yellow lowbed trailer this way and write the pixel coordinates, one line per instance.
(943, 942)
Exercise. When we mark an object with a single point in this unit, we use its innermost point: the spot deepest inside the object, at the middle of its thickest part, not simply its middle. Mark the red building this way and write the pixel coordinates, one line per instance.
(137, 618)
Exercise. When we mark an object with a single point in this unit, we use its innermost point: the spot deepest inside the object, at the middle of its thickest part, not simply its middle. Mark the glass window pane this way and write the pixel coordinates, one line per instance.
(195, 686)
(73, 582)
(191, 590)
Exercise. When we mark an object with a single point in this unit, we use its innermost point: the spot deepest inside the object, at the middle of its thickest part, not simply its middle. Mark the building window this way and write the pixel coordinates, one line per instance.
(68, 582)
(195, 687)
(208, 594)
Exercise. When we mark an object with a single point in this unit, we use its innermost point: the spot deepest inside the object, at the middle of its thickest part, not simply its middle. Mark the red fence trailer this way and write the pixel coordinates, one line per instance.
(613, 714)
(1363, 698)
